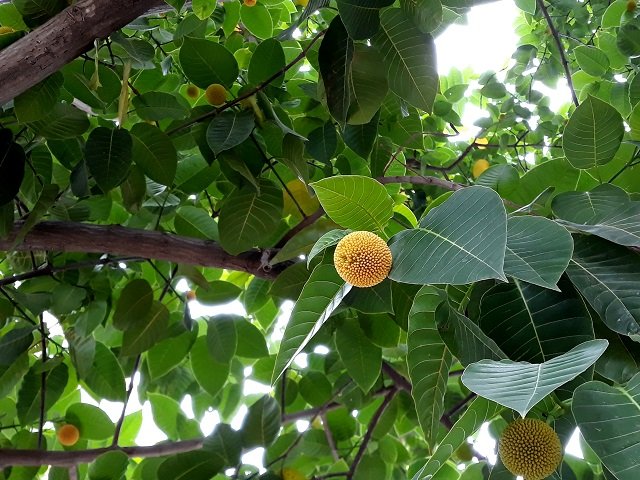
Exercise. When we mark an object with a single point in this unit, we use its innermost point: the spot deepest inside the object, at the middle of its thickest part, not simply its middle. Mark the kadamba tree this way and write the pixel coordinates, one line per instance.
(395, 279)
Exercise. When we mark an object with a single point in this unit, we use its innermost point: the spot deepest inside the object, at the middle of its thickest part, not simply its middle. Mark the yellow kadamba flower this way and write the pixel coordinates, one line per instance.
(531, 448)
(362, 259)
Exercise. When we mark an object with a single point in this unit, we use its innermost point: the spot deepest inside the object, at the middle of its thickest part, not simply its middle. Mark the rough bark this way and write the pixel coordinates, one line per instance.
(117, 240)
(60, 40)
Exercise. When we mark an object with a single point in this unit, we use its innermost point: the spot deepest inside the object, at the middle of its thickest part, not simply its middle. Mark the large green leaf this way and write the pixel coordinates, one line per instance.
(355, 202)
(195, 222)
(461, 241)
(360, 138)
(478, 412)
(12, 163)
(428, 359)
(608, 277)
(248, 218)
(14, 343)
(222, 337)
(369, 84)
(320, 296)
(520, 385)
(205, 62)
(410, 58)
(224, 445)
(605, 211)
(106, 379)
(534, 324)
(229, 130)
(195, 465)
(538, 250)
(154, 153)
(609, 420)
(134, 304)
(209, 374)
(621, 360)
(37, 101)
(156, 106)
(334, 57)
(30, 393)
(146, 331)
(262, 423)
(168, 354)
(93, 423)
(63, 121)
(593, 134)
(361, 358)
(362, 17)
(266, 61)
(108, 154)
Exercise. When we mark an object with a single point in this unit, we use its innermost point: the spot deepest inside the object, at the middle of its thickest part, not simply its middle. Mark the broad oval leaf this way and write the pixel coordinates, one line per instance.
(496, 380)
(267, 60)
(106, 378)
(593, 134)
(195, 222)
(134, 304)
(146, 331)
(362, 17)
(209, 374)
(156, 106)
(355, 202)
(154, 153)
(410, 57)
(609, 420)
(361, 358)
(538, 250)
(224, 445)
(108, 154)
(262, 423)
(320, 296)
(14, 343)
(461, 241)
(428, 359)
(205, 62)
(229, 129)
(369, 84)
(93, 423)
(222, 338)
(30, 394)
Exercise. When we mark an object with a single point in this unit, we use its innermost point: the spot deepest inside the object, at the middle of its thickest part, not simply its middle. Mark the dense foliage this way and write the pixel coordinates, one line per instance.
(272, 129)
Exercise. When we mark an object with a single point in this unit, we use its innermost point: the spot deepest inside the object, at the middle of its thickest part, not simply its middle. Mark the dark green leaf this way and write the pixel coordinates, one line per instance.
(108, 154)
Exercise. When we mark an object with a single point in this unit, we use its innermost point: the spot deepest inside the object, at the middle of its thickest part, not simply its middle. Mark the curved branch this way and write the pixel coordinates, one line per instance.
(36, 458)
(117, 240)
(61, 39)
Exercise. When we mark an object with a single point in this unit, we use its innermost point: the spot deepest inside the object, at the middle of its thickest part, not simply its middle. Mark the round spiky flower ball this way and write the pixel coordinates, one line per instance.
(362, 259)
(531, 448)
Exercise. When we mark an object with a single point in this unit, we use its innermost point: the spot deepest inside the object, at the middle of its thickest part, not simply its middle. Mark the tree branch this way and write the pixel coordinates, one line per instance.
(421, 180)
(63, 38)
(117, 240)
(563, 57)
(35, 458)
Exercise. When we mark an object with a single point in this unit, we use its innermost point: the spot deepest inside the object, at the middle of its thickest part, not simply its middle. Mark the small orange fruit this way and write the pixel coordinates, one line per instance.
(478, 167)
(631, 6)
(250, 3)
(68, 435)
(216, 94)
(193, 91)
(191, 295)
(363, 259)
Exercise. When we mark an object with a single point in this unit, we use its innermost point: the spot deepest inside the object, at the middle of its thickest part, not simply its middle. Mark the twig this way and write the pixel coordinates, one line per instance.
(458, 406)
(399, 380)
(422, 180)
(251, 92)
(563, 57)
(369, 433)
(116, 434)
(43, 382)
(329, 436)
(311, 219)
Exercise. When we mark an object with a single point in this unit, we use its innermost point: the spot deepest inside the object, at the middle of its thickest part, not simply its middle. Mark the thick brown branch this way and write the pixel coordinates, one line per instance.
(563, 57)
(117, 240)
(60, 40)
(35, 458)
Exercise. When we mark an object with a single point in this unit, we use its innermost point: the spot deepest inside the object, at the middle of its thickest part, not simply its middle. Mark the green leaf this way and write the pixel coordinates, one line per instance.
(222, 337)
(605, 211)
(134, 304)
(461, 241)
(47, 197)
(93, 423)
(593, 134)
(248, 218)
(156, 106)
(628, 38)
(607, 276)
(315, 388)
(503, 179)
(334, 57)
(360, 138)
(203, 8)
(106, 379)
(609, 420)
(168, 354)
(478, 412)
(621, 359)
(327, 240)
(195, 465)
(166, 414)
(37, 102)
(323, 142)
(495, 380)
(195, 222)
(224, 445)
(426, 14)
(258, 20)
(205, 62)
(538, 250)
(146, 331)
(592, 60)
(369, 84)
(63, 121)
(12, 163)
(428, 359)
(108, 154)
(362, 359)
(267, 60)
(14, 343)
(109, 466)
(362, 17)
(320, 296)
(209, 374)
(253, 344)
(229, 130)
(412, 77)
(355, 202)
(29, 395)
(154, 153)
(262, 423)
(11, 375)
(218, 292)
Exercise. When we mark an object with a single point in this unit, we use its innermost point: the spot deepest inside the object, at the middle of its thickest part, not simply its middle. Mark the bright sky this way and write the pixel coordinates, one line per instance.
(486, 42)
